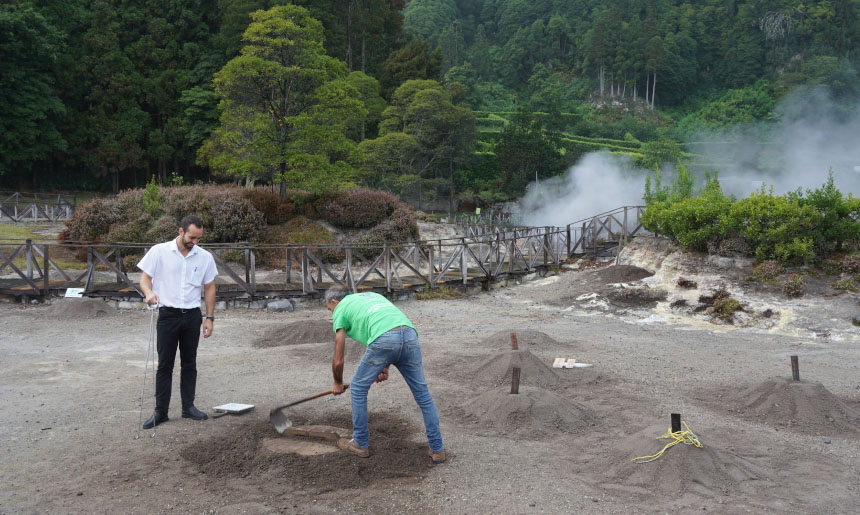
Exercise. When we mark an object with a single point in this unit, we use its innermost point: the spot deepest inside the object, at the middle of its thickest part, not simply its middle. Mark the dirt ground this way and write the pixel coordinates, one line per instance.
(71, 377)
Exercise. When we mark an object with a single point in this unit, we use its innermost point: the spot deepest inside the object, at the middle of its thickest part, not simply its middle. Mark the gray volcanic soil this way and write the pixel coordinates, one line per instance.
(69, 410)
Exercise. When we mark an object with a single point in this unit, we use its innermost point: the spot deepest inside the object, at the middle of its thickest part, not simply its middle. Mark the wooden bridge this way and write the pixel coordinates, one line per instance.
(34, 207)
(486, 254)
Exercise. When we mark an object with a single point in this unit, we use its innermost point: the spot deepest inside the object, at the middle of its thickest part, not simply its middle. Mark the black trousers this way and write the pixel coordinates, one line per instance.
(177, 330)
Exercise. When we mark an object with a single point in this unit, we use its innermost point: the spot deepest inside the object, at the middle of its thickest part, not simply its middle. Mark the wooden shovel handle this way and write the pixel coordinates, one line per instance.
(306, 399)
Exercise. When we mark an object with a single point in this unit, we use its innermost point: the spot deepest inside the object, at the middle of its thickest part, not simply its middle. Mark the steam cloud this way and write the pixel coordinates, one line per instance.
(814, 135)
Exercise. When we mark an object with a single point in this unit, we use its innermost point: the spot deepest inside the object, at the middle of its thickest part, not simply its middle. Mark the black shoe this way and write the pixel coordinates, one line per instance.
(156, 418)
(194, 414)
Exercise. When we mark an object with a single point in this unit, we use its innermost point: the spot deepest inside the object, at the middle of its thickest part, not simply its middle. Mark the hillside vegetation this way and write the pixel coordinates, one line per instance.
(427, 99)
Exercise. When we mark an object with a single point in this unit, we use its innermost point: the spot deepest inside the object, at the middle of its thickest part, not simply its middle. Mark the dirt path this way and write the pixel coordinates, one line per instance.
(69, 388)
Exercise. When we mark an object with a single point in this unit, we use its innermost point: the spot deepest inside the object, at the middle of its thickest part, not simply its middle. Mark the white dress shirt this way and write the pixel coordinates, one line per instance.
(178, 280)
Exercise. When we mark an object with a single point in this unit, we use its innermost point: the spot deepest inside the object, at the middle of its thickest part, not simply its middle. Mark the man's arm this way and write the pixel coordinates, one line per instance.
(337, 362)
(146, 288)
(209, 298)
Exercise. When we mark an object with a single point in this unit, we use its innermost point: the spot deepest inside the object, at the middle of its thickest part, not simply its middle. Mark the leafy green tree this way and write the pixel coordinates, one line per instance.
(283, 109)
(428, 19)
(370, 94)
(422, 115)
(117, 122)
(480, 54)
(29, 109)
(412, 62)
(525, 152)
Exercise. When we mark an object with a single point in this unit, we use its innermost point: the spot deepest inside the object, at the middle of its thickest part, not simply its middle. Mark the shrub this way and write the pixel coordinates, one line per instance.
(399, 227)
(265, 201)
(360, 208)
(793, 286)
(152, 198)
(91, 220)
(794, 228)
(729, 246)
(180, 201)
(844, 284)
(850, 264)
(443, 292)
(234, 219)
(725, 307)
(767, 271)
(164, 229)
(128, 232)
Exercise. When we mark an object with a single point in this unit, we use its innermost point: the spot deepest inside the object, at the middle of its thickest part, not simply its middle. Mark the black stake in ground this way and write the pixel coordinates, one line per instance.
(515, 380)
(676, 422)
(795, 369)
(514, 344)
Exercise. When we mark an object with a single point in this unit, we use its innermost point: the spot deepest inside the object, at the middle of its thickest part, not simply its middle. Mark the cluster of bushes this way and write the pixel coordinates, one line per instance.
(795, 228)
(139, 216)
(233, 214)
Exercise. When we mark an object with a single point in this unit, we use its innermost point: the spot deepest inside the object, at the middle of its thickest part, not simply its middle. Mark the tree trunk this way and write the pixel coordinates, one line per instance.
(451, 189)
(600, 78)
(349, 36)
(647, 85)
(282, 190)
(653, 90)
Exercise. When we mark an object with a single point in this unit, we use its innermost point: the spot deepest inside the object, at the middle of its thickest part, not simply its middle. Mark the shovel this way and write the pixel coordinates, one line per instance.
(278, 417)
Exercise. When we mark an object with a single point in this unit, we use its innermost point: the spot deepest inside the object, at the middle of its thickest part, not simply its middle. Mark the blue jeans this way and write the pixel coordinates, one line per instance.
(398, 347)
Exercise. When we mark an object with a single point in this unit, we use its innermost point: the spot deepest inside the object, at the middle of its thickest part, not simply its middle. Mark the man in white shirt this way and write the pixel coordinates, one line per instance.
(174, 273)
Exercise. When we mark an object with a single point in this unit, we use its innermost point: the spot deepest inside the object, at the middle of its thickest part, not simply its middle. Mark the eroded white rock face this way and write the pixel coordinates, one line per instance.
(703, 275)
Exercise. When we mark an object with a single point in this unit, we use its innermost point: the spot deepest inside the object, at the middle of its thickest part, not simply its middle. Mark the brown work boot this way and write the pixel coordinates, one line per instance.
(438, 457)
(352, 447)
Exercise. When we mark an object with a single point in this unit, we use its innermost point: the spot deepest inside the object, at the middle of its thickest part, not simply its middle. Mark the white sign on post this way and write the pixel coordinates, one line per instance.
(76, 293)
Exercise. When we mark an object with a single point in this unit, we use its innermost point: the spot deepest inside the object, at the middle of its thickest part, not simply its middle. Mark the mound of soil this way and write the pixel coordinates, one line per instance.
(295, 333)
(324, 352)
(532, 414)
(801, 406)
(620, 274)
(79, 308)
(635, 297)
(497, 370)
(526, 339)
(394, 454)
(707, 471)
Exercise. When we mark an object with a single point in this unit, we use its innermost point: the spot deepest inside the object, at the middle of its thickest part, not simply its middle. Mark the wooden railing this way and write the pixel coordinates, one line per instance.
(306, 270)
(20, 207)
(487, 254)
(586, 237)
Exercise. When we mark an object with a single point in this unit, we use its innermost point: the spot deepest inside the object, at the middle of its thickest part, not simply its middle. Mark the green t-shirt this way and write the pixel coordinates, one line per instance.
(366, 316)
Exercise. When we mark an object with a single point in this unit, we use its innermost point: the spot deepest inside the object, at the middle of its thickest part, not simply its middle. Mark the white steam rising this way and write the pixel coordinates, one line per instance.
(813, 136)
(597, 183)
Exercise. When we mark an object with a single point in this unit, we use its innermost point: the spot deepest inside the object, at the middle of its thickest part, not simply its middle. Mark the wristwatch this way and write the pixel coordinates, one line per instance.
(210, 318)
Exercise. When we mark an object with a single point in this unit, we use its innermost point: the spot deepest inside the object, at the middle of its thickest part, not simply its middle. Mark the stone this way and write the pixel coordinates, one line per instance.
(279, 306)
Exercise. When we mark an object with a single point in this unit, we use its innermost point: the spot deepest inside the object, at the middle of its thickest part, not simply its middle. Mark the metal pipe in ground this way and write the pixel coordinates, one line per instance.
(515, 380)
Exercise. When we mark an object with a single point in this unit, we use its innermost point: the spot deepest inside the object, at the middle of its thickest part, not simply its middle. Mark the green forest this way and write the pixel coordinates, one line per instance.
(431, 99)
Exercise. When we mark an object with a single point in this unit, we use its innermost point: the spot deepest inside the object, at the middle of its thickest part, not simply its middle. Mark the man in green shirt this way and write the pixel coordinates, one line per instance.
(390, 338)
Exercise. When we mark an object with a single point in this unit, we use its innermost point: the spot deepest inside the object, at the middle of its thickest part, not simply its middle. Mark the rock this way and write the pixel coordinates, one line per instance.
(279, 306)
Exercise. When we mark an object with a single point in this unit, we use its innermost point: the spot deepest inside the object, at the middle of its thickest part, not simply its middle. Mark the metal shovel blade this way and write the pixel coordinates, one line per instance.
(280, 420)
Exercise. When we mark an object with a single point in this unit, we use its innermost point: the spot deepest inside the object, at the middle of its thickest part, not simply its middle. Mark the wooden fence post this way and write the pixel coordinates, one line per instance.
(289, 260)
(46, 271)
(386, 259)
(253, 266)
(463, 267)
